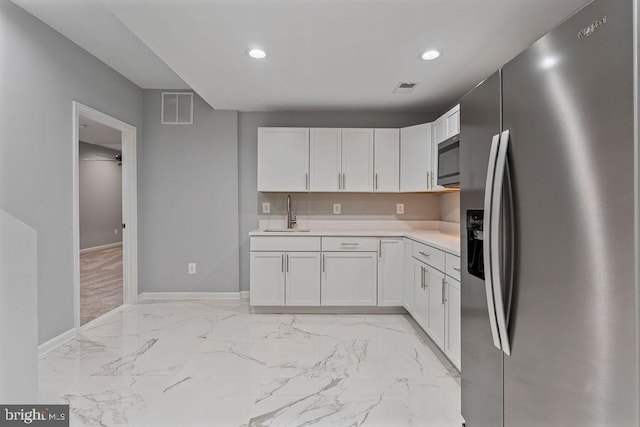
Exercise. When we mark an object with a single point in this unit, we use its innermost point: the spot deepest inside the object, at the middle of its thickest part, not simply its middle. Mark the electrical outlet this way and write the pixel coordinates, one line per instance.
(191, 267)
(400, 208)
(337, 208)
(115, 231)
(266, 207)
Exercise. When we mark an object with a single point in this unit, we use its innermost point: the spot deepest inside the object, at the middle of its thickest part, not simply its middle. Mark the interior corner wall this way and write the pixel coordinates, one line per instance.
(41, 73)
(188, 200)
(100, 202)
(450, 207)
(248, 123)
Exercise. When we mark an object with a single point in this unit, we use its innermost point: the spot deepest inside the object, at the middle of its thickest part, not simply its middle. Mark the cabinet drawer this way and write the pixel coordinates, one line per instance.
(452, 266)
(285, 243)
(433, 257)
(362, 244)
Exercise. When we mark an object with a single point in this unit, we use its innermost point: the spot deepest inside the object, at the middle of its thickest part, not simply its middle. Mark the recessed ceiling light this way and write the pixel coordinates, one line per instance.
(430, 55)
(256, 53)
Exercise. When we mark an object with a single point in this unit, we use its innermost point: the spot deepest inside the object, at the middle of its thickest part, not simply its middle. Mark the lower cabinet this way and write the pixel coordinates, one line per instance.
(452, 310)
(285, 278)
(349, 278)
(302, 284)
(435, 282)
(421, 294)
(267, 278)
(407, 282)
(390, 272)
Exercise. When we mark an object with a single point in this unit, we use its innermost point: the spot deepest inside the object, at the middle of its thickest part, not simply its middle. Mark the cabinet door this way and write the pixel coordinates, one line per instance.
(303, 278)
(415, 158)
(325, 159)
(408, 291)
(390, 266)
(386, 178)
(349, 278)
(439, 130)
(452, 120)
(266, 278)
(435, 283)
(452, 307)
(421, 295)
(357, 160)
(283, 159)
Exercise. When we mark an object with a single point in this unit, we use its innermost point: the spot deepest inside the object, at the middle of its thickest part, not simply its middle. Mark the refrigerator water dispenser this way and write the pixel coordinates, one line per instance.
(475, 255)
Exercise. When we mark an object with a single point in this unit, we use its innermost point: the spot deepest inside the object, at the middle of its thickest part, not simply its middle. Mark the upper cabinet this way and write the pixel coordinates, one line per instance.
(416, 156)
(452, 120)
(439, 131)
(357, 160)
(325, 160)
(341, 159)
(386, 178)
(283, 159)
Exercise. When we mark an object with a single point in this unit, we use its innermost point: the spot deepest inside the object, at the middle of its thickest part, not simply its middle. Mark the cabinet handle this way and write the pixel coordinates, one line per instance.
(287, 263)
(428, 180)
(379, 248)
(443, 283)
(432, 174)
(339, 182)
(324, 263)
(424, 255)
(376, 181)
(349, 244)
(282, 263)
(343, 180)
(457, 269)
(306, 181)
(423, 284)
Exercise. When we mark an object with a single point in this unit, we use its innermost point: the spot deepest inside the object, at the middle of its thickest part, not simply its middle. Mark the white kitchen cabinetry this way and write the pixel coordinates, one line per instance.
(285, 271)
(435, 283)
(357, 160)
(386, 178)
(349, 278)
(390, 272)
(283, 159)
(302, 282)
(408, 285)
(452, 310)
(439, 131)
(416, 151)
(452, 121)
(267, 278)
(325, 162)
(421, 295)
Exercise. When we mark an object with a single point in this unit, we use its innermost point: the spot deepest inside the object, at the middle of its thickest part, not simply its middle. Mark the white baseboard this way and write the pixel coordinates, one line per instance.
(99, 248)
(146, 296)
(108, 314)
(56, 341)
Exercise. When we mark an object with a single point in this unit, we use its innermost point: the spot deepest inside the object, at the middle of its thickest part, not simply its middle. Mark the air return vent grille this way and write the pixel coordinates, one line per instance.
(177, 108)
(405, 87)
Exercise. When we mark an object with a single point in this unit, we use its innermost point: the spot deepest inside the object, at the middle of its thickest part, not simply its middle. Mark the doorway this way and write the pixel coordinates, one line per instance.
(105, 223)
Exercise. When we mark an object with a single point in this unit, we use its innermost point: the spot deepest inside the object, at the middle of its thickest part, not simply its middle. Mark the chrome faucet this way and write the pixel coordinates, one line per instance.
(291, 220)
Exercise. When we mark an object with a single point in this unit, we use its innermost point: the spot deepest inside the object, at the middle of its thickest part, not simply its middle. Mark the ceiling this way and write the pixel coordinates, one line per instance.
(98, 134)
(322, 55)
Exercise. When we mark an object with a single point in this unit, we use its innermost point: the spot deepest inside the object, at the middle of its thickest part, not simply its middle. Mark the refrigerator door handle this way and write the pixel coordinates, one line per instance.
(486, 243)
(496, 267)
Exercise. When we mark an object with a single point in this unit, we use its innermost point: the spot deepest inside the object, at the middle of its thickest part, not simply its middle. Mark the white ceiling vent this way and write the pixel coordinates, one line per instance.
(177, 108)
(405, 87)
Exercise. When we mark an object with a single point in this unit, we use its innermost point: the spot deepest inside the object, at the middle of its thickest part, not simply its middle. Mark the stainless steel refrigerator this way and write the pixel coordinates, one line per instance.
(547, 215)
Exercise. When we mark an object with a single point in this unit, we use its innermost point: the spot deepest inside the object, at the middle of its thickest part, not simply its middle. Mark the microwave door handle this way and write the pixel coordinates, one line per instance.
(486, 243)
(496, 261)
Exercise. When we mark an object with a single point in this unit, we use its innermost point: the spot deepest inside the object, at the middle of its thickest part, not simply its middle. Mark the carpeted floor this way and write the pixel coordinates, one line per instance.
(100, 282)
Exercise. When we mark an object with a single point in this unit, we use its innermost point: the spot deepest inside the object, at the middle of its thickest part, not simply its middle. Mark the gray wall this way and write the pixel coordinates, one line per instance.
(188, 200)
(41, 74)
(248, 123)
(100, 197)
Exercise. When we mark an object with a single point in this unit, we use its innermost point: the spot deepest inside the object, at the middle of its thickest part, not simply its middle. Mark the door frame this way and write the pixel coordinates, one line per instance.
(129, 204)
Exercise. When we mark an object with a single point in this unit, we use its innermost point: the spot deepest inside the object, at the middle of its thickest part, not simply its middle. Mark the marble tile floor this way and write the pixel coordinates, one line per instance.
(213, 363)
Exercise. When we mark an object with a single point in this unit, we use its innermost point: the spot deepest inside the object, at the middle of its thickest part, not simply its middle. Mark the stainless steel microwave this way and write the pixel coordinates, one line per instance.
(449, 162)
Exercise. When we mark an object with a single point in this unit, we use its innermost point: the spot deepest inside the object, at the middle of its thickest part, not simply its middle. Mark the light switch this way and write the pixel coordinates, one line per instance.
(400, 208)
(337, 208)
(266, 207)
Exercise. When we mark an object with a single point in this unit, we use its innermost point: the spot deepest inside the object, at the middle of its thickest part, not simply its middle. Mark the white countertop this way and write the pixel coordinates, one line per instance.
(448, 242)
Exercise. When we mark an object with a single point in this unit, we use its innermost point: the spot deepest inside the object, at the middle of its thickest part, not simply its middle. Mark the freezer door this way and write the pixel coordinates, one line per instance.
(481, 361)
(567, 102)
